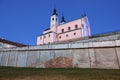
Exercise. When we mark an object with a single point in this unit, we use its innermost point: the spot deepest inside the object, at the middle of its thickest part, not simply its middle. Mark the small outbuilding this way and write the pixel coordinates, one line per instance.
(8, 44)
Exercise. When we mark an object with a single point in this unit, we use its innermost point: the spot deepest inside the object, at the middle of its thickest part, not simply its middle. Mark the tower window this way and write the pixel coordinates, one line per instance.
(52, 18)
(62, 30)
(76, 26)
(74, 33)
(56, 19)
(69, 28)
(66, 35)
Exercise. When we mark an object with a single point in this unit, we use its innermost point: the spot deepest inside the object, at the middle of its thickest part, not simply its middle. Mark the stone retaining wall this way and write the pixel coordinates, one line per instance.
(102, 54)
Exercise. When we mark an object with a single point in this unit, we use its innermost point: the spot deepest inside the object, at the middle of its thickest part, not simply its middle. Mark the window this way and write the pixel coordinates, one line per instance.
(56, 19)
(52, 18)
(68, 28)
(62, 30)
(60, 37)
(44, 36)
(49, 35)
(40, 37)
(0, 45)
(66, 35)
(74, 33)
(82, 25)
(76, 26)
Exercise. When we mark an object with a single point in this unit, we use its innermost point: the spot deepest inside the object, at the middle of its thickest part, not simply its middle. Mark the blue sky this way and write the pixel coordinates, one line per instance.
(23, 20)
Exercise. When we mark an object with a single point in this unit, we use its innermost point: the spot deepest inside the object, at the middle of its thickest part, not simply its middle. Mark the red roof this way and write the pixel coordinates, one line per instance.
(12, 43)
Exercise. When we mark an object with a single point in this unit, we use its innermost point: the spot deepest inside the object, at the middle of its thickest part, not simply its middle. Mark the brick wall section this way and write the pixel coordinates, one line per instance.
(60, 62)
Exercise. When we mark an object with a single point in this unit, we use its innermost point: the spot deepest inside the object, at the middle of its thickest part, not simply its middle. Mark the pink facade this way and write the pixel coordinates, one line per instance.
(66, 31)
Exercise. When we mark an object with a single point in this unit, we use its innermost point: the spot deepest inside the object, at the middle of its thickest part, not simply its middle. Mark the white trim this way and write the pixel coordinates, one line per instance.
(52, 37)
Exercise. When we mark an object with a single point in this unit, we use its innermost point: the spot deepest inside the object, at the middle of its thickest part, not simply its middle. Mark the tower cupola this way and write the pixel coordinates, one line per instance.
(63, 20)
(83, 15)
(54, 12)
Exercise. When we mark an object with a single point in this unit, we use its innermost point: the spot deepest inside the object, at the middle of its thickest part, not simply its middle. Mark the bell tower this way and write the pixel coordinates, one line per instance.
(54, 19)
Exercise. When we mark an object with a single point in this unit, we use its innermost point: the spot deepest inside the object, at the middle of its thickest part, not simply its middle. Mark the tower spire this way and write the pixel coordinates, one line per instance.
(54, 12)
(63, 19)
(83, 15)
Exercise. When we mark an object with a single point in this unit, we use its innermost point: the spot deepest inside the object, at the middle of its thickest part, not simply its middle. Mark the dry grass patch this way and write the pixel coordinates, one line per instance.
(9, 73)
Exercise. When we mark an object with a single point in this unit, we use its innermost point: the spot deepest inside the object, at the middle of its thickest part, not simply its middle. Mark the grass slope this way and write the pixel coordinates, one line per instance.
(10, 73)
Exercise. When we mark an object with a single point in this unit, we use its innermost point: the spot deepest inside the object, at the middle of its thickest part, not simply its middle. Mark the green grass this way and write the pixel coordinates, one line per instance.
(10, 73)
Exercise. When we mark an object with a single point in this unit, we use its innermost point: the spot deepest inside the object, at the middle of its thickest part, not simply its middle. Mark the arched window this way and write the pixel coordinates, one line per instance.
(76, 26)
(49, 35)
(62, 30)
(69, 28)
(52, 18)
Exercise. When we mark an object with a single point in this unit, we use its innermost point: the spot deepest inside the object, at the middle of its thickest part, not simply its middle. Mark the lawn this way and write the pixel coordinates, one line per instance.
(10, 73)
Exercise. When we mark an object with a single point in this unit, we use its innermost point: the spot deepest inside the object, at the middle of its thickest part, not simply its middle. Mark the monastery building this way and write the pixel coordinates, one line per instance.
(65, 31)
